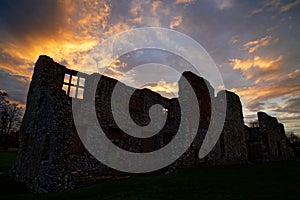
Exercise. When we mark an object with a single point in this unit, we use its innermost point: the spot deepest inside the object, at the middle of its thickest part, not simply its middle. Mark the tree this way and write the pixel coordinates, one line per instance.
(3, 96)
(10, 117)
(293, 137)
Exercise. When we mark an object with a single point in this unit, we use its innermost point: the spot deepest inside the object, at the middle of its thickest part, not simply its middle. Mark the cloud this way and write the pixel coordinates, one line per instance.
(184, 2)
(16, 86)
(67, 30)
(289, 6)
(254, 45)
(53, 28)
(223, 4)
(293, 75)
(250, 117)
(288, 86)
(259, 69)
(114, 69)
(275, 5)
(150, 13)
(262, 63)
(15, 66)
(255, 106)
(165, 88)
(262, 93)
(289, 117)
(255, 11)
(257, 93)
(177, 20)
(63, 30)
(136, 6)
(292, 105)
(156, 5)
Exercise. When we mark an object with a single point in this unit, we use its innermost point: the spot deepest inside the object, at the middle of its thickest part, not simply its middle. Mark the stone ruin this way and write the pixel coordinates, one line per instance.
(52, 157)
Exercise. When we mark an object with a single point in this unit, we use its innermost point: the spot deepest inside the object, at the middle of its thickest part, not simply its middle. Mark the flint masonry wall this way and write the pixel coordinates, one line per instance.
(46, 131)
(231, 146)
(268, 142)
(51, 155)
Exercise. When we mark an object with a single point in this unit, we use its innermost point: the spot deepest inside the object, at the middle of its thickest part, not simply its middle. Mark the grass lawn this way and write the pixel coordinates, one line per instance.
(261, 181)
(6, 160)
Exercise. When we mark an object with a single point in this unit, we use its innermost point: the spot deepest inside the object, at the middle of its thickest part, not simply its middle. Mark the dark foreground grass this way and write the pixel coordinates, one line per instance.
(6, 160)
(264, 181)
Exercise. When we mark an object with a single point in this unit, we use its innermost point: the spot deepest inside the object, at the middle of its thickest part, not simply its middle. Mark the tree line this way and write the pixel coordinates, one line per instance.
(10, 120)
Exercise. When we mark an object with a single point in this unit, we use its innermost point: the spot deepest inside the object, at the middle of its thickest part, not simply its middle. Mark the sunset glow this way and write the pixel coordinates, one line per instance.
(255, 44)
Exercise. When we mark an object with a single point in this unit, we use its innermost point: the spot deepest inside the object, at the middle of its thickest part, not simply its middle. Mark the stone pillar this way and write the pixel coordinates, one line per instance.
(231, 146)
(275, 141)
(45, 134)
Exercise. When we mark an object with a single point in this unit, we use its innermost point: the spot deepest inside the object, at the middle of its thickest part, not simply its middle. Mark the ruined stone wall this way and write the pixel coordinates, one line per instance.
(256, 148)
(268, 141)
(46, 131)
(276, 142)
(52, 156)
(231, 146)
(203, 93)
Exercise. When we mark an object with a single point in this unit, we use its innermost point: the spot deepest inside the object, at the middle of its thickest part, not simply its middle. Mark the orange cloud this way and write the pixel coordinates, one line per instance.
(262, 93)
(156, 5)
(294, 74)
(165, 88)
(155, 13)
(260, 97)
(145, 12)
(276, 5)
(116, 28)
(20, 69)
(135, 8)
(177, 20)
(287, 85)
(57, 47)
(259, 69)
(289, 116)
(82, 25)
(262, 63)
(113, 69)
(254, 45)
(74, 33)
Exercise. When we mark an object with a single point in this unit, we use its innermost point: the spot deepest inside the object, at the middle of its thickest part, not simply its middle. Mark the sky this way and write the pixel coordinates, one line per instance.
(255, 44)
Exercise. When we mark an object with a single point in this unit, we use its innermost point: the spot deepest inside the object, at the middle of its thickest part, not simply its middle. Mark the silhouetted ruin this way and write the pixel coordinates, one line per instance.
(52, 157)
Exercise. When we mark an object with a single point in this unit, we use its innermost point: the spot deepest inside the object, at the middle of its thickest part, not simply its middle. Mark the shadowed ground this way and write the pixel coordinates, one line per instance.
(264, 181)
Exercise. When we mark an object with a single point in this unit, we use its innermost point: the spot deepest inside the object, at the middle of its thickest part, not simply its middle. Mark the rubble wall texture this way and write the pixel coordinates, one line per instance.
(276, 142)
(46, 131)
(52, 157)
